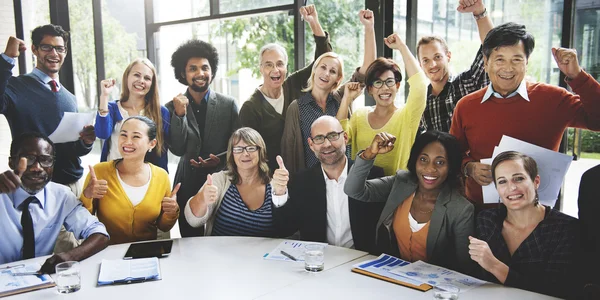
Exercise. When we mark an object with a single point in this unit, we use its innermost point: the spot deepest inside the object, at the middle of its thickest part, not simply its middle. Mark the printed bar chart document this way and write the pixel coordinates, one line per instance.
(434, 275)
(380, 268)
(11, 283)
(289, 250)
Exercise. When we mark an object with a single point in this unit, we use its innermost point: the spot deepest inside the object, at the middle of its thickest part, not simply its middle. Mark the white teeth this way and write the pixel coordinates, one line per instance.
(128, 149)
(385, 96)
(515, 197)
(506, 77)
(324, 80)
(429, 177)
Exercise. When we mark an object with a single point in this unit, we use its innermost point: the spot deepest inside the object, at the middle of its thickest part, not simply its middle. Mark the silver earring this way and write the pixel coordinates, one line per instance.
(150, 150)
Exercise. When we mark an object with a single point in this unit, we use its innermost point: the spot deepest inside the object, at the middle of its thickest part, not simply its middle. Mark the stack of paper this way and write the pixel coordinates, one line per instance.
(380, 268)
(11, 284)
(121, 271)
(552, 167)
(426, 273)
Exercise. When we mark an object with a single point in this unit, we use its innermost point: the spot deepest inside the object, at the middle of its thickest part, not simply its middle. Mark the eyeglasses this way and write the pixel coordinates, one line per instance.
(388, 82)
(270, 66)
(48, 48)
(332, 136)
(249, 149)
(45, 161)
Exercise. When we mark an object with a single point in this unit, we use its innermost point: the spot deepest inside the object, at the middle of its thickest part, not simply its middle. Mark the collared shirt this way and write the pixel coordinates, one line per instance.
(56, 205)
(521, 90)
(199, 111)
(38, 74)
(339, 232)
(439, 110)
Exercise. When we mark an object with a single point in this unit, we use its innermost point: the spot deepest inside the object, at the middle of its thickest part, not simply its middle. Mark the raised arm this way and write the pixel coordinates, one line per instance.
(410, 62)
(368, 21)
(310, 15)
(14, 48)
(480, 13)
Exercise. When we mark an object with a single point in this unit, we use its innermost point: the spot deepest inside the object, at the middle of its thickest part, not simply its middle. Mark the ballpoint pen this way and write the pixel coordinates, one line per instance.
(220, 154)
(27, 273)
(288, 255)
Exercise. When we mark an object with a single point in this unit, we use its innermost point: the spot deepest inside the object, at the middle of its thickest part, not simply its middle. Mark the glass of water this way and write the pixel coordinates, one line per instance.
(68, 277)
(446, 291)
(314, 257)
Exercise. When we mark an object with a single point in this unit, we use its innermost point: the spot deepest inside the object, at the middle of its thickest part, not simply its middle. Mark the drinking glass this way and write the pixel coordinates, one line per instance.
(68, 278)
(314, 257)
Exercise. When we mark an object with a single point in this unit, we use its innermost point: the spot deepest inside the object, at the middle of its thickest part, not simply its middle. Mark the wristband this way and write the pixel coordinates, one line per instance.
(482, 15)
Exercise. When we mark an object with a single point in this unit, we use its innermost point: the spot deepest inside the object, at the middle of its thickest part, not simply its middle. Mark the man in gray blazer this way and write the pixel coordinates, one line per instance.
(201, 122)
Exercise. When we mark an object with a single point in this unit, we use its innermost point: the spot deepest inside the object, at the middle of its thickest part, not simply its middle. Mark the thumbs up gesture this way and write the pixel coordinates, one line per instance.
(209, 191)
(95, 188)
(11, 180)
(280, 178)
(169, 204)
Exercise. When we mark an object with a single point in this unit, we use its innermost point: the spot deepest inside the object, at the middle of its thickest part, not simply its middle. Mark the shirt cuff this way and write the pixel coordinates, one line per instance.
(280, 200)
(8, 59)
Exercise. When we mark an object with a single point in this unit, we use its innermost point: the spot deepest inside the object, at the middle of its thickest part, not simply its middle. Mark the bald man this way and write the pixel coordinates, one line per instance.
(317, 205)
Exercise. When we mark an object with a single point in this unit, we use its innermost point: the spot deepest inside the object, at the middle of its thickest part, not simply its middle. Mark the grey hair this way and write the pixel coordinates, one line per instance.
(275, 47)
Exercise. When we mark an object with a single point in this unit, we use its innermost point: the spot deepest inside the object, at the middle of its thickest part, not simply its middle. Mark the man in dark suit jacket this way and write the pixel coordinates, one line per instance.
(201, 123)
(317, 205)
(589, 262)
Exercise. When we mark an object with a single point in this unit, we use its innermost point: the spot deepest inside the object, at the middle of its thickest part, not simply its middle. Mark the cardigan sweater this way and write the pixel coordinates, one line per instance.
(30, 106)
(403, 125)
(540, 121)
(260, 115)
(124, 222)
(105, 125)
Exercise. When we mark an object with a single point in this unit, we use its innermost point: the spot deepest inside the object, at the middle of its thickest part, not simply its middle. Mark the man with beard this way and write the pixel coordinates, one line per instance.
(37, 102)
(317, 205)
(33, 209)
(201, 122)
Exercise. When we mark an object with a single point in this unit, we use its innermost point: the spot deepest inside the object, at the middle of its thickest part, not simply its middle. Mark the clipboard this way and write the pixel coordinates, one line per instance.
(423, 287)
(380, 268)
(121, 271)
(13, 285)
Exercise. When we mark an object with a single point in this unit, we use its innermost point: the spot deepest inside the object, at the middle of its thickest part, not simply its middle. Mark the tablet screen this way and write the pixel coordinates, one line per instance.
(149, 249)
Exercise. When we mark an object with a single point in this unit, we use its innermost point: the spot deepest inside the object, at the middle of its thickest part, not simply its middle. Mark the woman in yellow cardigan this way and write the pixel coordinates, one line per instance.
(383, 81)
(131, 197)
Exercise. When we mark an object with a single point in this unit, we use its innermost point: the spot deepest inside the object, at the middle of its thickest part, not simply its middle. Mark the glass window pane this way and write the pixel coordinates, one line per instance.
(83, 51)
(238, 42)
(171, 10)
(35, 13)
(124, 37)
(227, 6)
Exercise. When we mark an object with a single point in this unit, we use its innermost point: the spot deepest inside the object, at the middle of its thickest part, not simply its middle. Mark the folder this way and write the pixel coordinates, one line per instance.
(380, 268)
(129, 271)
(14, 281)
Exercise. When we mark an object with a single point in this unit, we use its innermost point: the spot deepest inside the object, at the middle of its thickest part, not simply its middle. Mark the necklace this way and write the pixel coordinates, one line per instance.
(422, 211)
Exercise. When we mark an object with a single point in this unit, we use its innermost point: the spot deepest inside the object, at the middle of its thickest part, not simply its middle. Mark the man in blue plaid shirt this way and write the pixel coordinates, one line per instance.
(445, 89)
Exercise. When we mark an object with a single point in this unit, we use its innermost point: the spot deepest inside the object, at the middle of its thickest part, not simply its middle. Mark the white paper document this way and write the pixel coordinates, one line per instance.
(434, 275)
(70, 126)
(10, 283)
(292, 248)
(552, 167)
(382, 266)
(128, 271)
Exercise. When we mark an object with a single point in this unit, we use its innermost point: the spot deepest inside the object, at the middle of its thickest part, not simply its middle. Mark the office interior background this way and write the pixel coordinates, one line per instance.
(106, 35)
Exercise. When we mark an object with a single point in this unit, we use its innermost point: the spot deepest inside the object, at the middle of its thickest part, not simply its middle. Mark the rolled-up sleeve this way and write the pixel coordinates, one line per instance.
(82, 223)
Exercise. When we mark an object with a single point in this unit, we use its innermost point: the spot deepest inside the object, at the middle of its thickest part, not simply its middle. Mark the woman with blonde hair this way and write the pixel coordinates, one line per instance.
(139, 96)
(239, 201)
(323, 96)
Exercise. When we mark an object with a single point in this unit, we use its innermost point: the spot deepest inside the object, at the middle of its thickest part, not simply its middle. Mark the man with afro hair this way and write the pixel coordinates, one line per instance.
(201, 122)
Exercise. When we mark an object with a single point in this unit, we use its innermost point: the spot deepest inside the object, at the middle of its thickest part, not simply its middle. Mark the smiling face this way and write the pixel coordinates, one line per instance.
(133, 140)
(434, 60)
(49, 62)
(506, 66)
(516, 188)
(385, 95)
(273, 69)
(432, 167)
(35, 177)
(246, 160)
(329, 152)
(139, 80)
(198, 74)
(327, 74)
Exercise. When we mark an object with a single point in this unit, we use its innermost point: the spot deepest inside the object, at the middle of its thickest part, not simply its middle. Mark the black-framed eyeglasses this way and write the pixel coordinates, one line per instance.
(332, 136)
(240, 149)
(390, 82)
(48, 48)
(45, 161)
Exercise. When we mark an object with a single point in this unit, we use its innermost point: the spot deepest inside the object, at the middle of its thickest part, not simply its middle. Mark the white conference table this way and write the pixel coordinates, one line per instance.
(234, 268)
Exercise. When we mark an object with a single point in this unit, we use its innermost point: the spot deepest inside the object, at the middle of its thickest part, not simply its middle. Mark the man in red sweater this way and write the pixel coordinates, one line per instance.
(537, 113)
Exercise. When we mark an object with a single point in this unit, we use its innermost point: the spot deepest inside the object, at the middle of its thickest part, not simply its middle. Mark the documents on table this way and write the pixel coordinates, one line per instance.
(552, 167)
(70, 126)
(120, 271)
(380, 268)
(434, 275)
(289, 248)
(11, 284)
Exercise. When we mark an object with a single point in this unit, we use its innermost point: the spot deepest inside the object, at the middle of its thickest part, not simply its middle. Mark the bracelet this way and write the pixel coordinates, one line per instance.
(465, 169)
(102, 111)
(482, 15)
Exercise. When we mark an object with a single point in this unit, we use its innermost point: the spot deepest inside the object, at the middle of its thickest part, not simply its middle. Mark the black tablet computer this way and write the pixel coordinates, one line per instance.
(158, 249)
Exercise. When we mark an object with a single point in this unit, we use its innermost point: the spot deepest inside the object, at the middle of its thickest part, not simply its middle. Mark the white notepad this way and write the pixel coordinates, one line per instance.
(121, 271)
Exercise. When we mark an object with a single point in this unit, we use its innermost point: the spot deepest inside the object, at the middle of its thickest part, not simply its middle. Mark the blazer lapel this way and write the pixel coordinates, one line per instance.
(191, 117)
(401, 191)
(437, 218)
(211, 114)
(320, 202)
